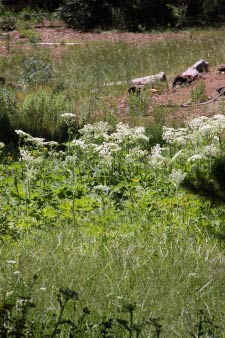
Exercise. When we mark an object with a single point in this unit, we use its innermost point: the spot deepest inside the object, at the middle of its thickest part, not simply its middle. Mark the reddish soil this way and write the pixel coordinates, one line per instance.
(58, 33)
(172, 99)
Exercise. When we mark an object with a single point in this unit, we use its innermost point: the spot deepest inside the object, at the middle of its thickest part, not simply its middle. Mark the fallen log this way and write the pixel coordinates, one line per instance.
(141, 81)
(221, 92)
(221, 68)
(191, 74)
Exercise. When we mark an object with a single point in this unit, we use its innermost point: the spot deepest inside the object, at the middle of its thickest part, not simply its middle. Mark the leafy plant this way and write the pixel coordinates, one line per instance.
(7, 111)
(85, 14)
(198, 94)
(33, 37)
(41, 114)
(8, 22)
(37, 71)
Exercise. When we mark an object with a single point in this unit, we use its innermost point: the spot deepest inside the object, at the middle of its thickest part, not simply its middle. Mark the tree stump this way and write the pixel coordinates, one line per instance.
(191, 74)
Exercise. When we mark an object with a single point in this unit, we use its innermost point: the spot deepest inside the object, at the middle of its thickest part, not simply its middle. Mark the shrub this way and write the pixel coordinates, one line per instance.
(7, 112)
(40, 114)
(198, 94)
(37, 71)
(8, 22)
(85, 15)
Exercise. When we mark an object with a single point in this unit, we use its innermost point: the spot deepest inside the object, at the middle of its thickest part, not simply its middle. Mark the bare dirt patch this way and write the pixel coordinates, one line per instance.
(57, 33)
(172, 99)
(62, 34)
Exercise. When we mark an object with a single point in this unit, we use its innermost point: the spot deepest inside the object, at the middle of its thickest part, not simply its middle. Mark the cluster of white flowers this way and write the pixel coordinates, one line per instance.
(107, 148)
(175, 136)
(68, 116)
(196, 157)
(136, 155)
(37, 141)
(94, 132)
(79, 144)
(156, 158)
(104, 189)
(207, 126)
(26, 156)
(131, 135)
(51, 143)
(22, 133)
(197, 123)
(71, 160)
(210, 150)
(177, 177)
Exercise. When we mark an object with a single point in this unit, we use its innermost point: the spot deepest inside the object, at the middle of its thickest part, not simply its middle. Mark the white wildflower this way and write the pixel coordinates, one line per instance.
(175, 136)
(11, 262)
(139, 134)
(107, 148)
(156, 158)
(106, 160)
(139, 130)
(196, 157)
(31, 174)
(43, 288)
(97, 131)
(136, 154)
(22, 133)
(206, 129)
(9, 293)
(38, 141)
(218, 122)
(122, 133)
(79, 143)
(198, 122)
(25, 155)
(38, 161)
(51, 143)
(71, 160)
(177, 176)
(125, 134)
(68, 115)
(210, 150)
(102, 189)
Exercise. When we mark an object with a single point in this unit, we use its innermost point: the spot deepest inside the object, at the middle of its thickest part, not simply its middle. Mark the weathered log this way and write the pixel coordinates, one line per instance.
(147, 80)
(141, 81)
(191, 73)
(221, 68)
(201, 66)
(221, 90)
(58, 43)
(2, 80)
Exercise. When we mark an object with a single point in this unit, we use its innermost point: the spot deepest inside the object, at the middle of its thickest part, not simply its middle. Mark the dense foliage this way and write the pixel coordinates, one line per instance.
(135, 15)
(140, 15)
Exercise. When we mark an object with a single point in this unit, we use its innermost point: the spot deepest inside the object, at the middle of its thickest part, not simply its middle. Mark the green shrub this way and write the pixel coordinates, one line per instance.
(198, 94)
(7, 112)
(40, 114)
(37, 71)
(29, 34)
(85, 15)
(8, 22)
